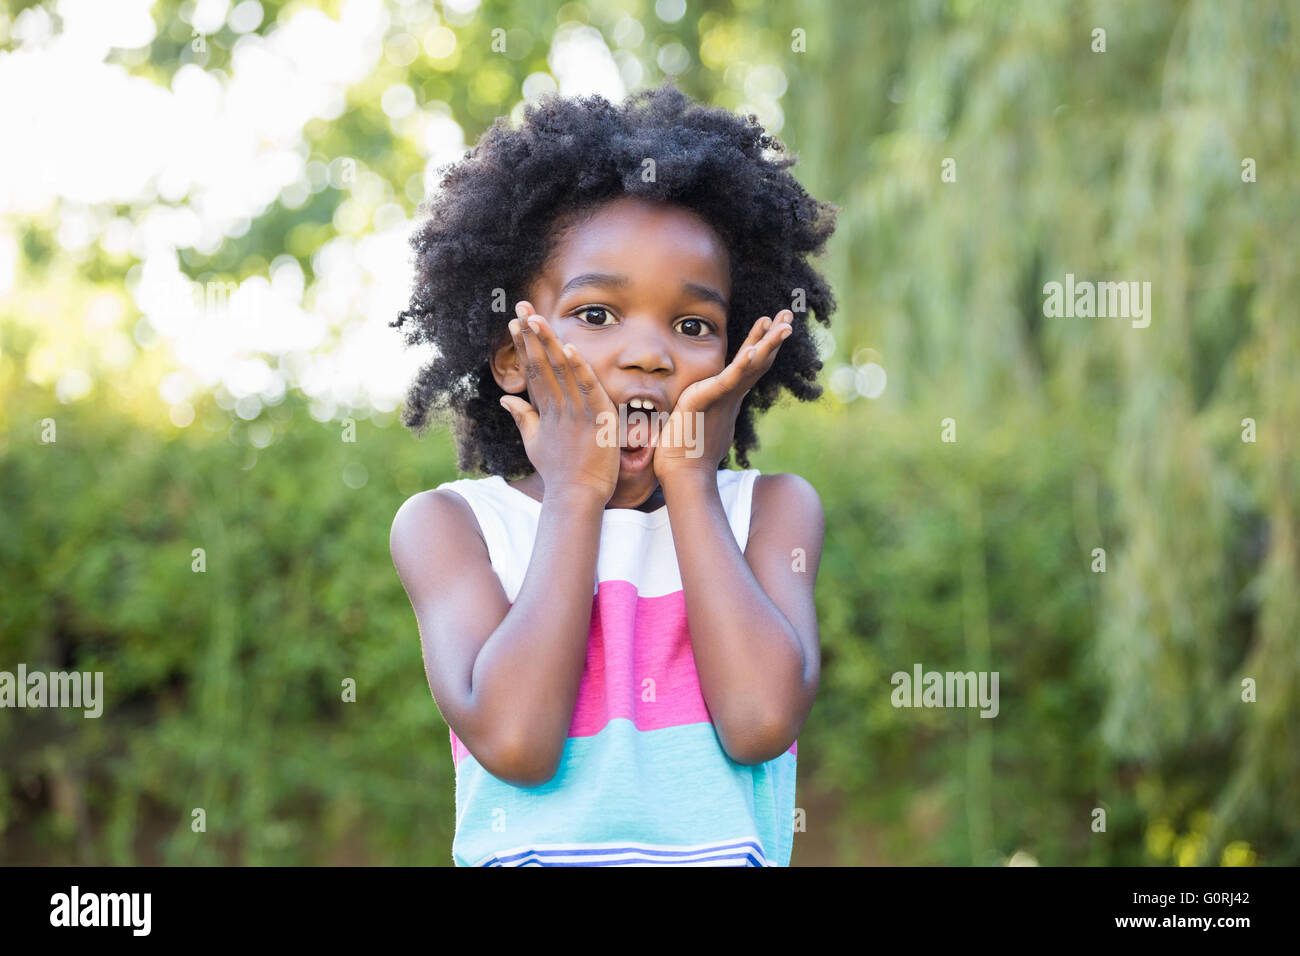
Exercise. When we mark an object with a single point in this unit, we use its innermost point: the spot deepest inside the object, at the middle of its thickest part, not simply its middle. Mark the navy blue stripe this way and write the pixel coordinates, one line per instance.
(604, 851)
(636, 854)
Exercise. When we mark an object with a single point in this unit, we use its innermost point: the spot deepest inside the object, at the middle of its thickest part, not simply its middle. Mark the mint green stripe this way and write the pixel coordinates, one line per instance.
(669, 786)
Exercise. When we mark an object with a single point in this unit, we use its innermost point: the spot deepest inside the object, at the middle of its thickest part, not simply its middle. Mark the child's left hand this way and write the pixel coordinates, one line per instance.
(718, 401)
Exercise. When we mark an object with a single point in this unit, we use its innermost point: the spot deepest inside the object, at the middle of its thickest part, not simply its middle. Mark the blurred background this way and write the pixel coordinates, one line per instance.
(204, 237)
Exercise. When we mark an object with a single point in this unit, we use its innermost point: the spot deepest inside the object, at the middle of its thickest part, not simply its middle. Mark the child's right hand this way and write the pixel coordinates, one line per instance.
(559, 428)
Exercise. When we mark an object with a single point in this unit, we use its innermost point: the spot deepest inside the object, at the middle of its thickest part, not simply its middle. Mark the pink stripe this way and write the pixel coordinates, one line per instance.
(640, 666)
(638, 648)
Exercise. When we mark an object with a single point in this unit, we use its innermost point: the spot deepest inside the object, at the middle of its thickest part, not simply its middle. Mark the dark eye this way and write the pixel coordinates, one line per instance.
(699, 324)
(588, 309)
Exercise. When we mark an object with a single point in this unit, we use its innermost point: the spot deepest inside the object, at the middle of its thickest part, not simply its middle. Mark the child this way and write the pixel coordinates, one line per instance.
(621, 637)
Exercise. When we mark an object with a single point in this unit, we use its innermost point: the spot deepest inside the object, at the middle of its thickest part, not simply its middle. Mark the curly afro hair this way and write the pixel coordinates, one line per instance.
(569, 156)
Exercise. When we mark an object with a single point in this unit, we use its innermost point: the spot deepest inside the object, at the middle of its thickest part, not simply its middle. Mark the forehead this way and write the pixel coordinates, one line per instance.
(637, 237)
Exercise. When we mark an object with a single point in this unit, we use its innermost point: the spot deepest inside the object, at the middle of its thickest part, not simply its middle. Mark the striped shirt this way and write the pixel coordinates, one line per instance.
(643, 778)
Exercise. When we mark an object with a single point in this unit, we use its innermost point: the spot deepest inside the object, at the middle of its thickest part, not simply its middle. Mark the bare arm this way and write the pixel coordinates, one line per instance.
(505, 677)
(752, 617)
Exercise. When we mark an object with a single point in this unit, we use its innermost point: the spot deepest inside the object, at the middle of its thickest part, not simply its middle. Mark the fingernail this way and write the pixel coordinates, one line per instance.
(520, 310)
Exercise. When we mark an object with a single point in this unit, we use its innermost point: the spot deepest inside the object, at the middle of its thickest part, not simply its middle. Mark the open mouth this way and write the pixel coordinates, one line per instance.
(637, 450)
(635, 459)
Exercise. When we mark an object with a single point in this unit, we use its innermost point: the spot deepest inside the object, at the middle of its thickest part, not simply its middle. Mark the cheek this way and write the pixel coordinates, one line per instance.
(566, 337)
(701, 370)
(594, 361)
(719, 362)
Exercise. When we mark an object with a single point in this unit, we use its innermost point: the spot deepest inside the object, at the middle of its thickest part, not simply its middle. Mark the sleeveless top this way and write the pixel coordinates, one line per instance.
(643, 778)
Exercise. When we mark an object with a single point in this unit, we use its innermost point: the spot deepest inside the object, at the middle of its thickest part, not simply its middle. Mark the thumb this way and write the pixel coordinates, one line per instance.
(523, 413)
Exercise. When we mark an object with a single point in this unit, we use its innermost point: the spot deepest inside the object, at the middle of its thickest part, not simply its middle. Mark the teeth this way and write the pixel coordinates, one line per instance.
(643, 403)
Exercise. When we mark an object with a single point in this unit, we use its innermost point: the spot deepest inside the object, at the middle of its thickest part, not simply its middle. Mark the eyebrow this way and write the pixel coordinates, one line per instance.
(698, 291)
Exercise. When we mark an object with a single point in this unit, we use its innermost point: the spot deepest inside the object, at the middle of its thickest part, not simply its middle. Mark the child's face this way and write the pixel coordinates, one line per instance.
(641, 291)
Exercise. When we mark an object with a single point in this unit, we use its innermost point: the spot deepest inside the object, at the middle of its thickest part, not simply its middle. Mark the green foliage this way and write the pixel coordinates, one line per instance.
(1125, 164)
(223, 687)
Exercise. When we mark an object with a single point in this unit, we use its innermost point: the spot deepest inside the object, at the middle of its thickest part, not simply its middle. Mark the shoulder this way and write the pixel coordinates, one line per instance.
(786, 490)
(438, 511)
(789, 498)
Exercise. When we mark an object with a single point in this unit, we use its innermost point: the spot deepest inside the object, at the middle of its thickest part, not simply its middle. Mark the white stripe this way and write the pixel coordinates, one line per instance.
(629, 550)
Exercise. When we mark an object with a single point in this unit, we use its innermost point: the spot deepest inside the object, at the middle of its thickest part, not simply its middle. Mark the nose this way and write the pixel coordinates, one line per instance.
(644, 347)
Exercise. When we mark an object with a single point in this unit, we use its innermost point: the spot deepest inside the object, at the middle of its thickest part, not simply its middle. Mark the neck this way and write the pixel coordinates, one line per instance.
(534, 487)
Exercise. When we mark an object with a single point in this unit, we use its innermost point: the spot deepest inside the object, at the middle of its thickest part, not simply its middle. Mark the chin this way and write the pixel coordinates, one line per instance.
(639, 485)
(636, 483)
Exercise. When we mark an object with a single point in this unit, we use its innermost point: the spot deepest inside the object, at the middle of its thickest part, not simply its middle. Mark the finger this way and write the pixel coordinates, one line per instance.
(755, 356)
(515, 328)
(593, 395)
(762, 354)
(525, 415)
(550, 363)
(748, 364)
(533, 357)
(561, 365)
(732, 378)
(756, 332)
(740, 361)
